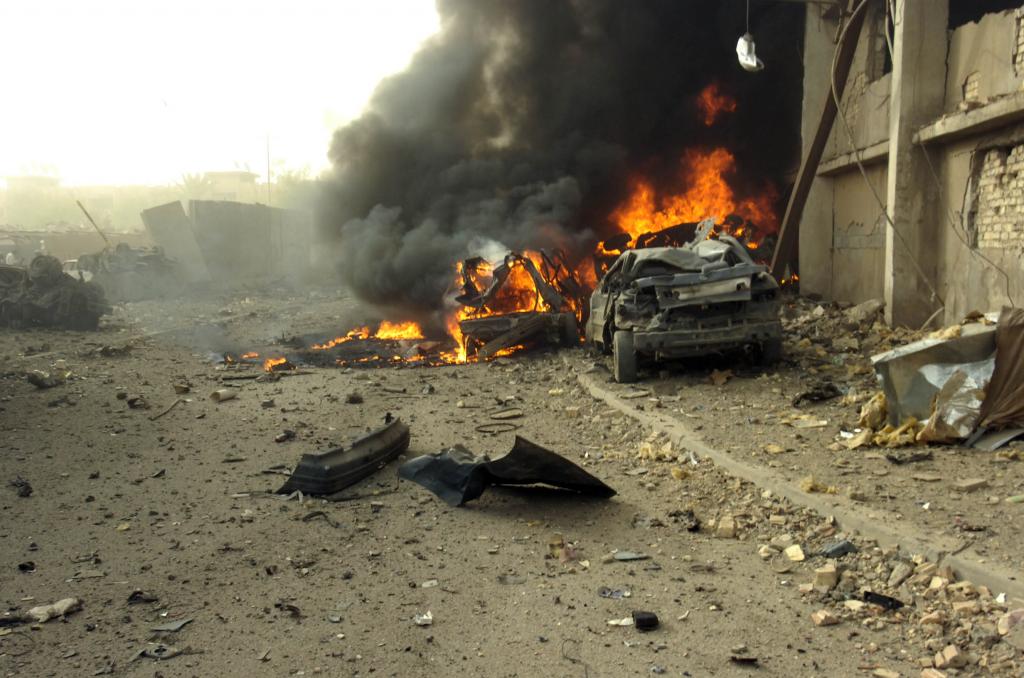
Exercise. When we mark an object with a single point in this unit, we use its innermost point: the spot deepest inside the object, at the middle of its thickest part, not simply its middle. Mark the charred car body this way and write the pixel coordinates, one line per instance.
(501, 314)
(706, 297)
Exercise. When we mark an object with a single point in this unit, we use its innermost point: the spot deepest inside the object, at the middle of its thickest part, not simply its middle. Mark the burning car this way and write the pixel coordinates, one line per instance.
(706, 297)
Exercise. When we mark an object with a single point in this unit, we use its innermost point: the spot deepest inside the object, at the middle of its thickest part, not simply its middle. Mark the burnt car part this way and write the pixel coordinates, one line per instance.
(44, 296)
(133, 273)
(457, 475)
(706, 297)
(332, 471)
(553, 315)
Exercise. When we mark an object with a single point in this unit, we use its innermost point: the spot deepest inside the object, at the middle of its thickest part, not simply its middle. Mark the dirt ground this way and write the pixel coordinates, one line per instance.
(180, 507)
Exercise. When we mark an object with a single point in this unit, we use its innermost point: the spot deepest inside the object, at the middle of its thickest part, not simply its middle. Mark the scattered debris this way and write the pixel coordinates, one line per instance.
(330, 472)
(645, 621)
(139, 596)
(23, 487)
(613, 594)
(43, 295)
(161, 652)
(43, 613)
(42, 380)
(457, 475)
(425, 619)
(222, 394)
(284, 436)
(884, 601)
(172, 626)
(818, 393)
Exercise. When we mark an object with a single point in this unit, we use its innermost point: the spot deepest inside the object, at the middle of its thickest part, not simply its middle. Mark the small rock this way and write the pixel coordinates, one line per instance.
(726, 528)
(950, 658)
(795, 553)
(936, 617)
(970, 484)
(899, 574)
(826, 576)
(885, 673)
(824, 618)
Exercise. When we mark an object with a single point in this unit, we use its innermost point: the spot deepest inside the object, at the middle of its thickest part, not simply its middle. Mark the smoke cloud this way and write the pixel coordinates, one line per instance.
(521, 121)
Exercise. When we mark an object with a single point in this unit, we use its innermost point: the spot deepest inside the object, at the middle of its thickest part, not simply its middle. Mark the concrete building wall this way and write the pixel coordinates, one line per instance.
(981, 59)
(950, 165)
(858, 239)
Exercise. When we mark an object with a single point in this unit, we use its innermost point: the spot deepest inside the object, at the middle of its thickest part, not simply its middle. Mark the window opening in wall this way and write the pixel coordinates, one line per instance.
(963, 12)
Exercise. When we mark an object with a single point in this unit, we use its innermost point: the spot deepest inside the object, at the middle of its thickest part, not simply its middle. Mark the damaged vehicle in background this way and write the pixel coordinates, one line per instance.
(707, 297)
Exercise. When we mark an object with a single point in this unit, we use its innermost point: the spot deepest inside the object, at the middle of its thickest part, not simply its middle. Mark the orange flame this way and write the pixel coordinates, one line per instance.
(357, 333)
(251, 355)
(713, 103)
(403, 330)
(708, 194)
(271, 363)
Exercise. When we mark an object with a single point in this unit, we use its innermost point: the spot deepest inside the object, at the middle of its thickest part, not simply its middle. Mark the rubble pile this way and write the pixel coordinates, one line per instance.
(947, 623)
(44, 296)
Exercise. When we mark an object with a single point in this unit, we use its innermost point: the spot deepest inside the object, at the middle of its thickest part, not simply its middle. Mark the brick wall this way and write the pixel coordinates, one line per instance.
(999, 221)
(1018, 57)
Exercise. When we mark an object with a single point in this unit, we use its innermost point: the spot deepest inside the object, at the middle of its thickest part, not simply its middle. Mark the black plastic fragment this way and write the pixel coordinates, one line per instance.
(839, 549)
(334, 470)
(888, 602)
(457, 475)
(645, 621)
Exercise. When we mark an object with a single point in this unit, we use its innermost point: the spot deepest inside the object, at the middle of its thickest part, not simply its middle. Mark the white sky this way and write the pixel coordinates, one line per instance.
(141, 91)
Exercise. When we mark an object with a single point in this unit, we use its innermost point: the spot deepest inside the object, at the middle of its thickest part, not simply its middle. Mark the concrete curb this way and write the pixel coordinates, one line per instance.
(881, 525)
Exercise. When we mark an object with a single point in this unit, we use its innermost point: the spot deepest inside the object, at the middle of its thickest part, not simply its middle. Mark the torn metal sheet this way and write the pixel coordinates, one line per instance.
(334, 470)
(457, 475)
(991, 441)
(913, 375)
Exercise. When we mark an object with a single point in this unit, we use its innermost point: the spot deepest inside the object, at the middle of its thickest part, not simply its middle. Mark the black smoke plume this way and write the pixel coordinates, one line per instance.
(521, 122)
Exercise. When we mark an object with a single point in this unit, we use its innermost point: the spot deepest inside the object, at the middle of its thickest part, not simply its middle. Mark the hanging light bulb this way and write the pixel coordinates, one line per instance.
(746, 51)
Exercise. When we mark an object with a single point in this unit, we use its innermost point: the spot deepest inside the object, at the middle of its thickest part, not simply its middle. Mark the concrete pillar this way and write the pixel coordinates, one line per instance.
(816, 222)
(918, 86)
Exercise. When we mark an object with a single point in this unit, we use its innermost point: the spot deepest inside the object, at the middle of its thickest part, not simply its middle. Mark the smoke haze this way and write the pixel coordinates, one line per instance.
(522, 121)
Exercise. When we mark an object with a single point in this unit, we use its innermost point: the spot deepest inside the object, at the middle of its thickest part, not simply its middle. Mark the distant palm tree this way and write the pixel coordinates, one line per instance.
(195, 186)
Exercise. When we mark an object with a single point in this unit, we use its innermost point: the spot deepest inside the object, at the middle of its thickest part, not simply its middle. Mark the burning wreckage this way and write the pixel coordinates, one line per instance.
(705, 297)
(655, 302)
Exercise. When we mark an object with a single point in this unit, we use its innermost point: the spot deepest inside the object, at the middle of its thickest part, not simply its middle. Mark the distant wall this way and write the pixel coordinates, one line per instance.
(242, 242)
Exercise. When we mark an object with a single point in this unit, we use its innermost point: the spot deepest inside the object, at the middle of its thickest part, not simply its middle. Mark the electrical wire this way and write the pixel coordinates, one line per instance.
(860, 163)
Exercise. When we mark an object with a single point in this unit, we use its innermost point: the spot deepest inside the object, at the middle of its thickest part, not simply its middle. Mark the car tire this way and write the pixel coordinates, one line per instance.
(624, 357)
(770, 352)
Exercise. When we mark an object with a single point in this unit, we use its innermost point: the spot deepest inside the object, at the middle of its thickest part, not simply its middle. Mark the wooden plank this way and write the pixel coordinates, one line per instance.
(789, 233)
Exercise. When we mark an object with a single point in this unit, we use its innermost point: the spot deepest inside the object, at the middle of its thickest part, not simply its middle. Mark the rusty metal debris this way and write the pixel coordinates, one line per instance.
(458, 476)
(329, 473)
(674, 302)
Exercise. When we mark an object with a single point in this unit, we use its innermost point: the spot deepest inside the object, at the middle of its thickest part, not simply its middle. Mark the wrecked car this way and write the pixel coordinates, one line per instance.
(706, 297)
(523, 299)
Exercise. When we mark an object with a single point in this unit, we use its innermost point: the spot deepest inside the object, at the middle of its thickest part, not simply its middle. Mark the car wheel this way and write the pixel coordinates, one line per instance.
(624, 357)
(770, 352)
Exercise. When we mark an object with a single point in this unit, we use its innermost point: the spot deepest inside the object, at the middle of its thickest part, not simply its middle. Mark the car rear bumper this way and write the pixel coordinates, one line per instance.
(682, 343)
